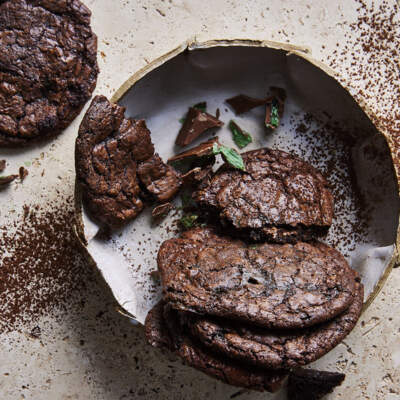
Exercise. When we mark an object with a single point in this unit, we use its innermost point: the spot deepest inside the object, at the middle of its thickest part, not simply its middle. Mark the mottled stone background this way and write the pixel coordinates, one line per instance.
(60, 336)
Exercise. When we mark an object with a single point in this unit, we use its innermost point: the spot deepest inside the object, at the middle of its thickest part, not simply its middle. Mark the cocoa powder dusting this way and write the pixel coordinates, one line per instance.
(374, 52)
(40, 268)
(327, 146)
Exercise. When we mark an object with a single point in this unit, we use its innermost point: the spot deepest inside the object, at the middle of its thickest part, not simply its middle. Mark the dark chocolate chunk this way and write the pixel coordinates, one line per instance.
(279, 197)
(48, 67)
(164, 330)
(272, 285)
(197, 156)
(107, 150)
(23, 173)
(196, 123)
(310, 384)
(159, 179)
(275, 108)
(242, 103)
(271, 348)
(5, 180)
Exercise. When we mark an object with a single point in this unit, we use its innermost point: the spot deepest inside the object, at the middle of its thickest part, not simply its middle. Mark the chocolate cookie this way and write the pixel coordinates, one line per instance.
(108, 149)
(160, 180)
(279, 197)
(274, 349)
(164, 330)
(271, 285)
(310, 384)
(48, 67)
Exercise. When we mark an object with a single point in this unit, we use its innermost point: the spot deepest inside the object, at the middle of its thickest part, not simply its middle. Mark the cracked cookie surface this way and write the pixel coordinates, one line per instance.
(274, 349)
(279, 197)
(108, 150)
(48, 67)
(271, 285)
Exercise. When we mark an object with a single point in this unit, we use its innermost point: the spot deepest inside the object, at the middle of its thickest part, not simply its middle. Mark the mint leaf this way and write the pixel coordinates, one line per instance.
(231, 156)
(240, 137)
(189, 220)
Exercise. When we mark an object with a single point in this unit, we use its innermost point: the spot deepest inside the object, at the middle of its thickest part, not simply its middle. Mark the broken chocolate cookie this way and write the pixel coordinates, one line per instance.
(161, 180)
(108, 149)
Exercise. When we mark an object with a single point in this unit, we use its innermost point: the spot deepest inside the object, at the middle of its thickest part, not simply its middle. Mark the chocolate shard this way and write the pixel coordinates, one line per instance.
(159, 179)
(203, 149)
(23, 173)
(242, 103)
(161, 211)
(2, 165)
(309, 384)
(5, 180)
(198, 156)
(196, 123)
(275, 108)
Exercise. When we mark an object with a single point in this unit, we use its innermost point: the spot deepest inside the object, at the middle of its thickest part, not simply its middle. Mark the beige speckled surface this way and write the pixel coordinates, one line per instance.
(90, 351)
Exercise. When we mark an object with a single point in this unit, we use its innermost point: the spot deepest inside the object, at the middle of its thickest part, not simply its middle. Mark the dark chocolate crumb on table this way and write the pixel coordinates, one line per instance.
(310, 384)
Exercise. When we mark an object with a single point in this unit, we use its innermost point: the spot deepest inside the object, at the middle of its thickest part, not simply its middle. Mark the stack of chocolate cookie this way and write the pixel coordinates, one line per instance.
(249, 299)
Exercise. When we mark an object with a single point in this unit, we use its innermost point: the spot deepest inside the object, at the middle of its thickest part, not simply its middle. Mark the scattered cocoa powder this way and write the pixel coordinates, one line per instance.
(40, 268)
(371, 61)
